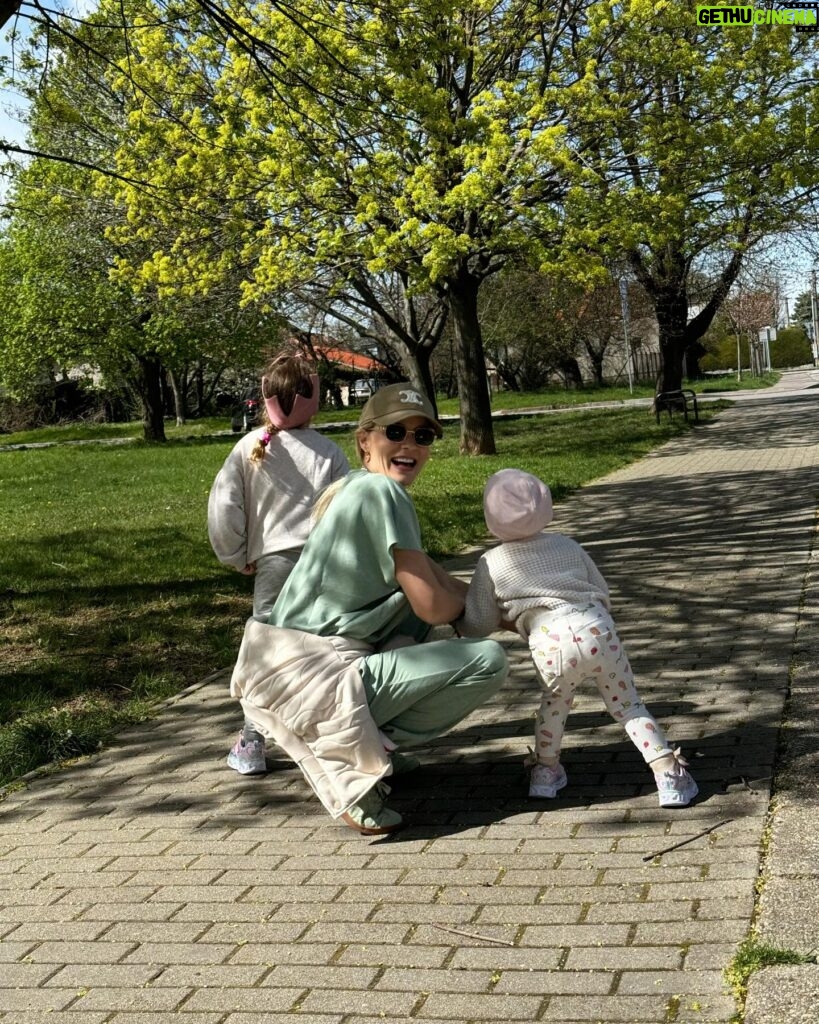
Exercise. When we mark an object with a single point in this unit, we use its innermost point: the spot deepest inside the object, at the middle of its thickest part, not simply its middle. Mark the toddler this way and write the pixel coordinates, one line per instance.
(260, 503)
(547, 588)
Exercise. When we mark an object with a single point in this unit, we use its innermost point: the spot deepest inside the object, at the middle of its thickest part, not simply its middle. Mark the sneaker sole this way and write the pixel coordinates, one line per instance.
(244, 769)
(383, 830)
(684, 799)
(546, 792)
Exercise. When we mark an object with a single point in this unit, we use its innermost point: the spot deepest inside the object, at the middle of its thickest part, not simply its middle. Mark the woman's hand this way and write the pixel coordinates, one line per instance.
(434, 595)
(249, 569)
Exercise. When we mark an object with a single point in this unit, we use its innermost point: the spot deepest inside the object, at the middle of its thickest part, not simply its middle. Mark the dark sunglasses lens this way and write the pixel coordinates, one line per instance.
(395, 432)
(424, 436)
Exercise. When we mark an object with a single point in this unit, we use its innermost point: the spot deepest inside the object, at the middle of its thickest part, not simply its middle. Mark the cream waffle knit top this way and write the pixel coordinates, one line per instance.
(546, 571)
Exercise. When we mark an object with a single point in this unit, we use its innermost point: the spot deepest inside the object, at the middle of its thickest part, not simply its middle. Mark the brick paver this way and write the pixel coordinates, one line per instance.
(151, 883)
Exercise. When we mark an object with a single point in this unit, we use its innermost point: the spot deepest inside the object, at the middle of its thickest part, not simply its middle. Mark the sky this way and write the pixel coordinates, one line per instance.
(10, 128)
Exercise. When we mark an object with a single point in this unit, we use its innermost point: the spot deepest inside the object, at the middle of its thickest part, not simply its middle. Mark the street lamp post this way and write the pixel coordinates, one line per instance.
(624, 307)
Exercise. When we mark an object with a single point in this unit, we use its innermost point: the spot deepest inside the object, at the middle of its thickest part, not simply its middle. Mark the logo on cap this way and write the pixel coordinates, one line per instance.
(411, 396)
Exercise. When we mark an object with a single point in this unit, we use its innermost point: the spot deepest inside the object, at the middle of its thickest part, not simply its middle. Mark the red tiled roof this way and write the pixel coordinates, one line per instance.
(344, 357)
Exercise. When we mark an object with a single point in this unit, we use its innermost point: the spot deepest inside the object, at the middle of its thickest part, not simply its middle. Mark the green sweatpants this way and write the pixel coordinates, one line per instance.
(418, 692)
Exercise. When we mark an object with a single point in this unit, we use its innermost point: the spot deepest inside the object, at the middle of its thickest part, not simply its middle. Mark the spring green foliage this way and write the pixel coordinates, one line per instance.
(790, 348)
(355, 139)
(61, 306)
(443, 138)
(698, 143)
(248, 150)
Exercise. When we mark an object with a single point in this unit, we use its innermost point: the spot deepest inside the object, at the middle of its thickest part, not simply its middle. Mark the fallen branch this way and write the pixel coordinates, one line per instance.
(685, 842)
(473, 935)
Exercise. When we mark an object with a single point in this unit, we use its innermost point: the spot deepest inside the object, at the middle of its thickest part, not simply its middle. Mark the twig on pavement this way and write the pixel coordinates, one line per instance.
(685, 842)
(473, 935)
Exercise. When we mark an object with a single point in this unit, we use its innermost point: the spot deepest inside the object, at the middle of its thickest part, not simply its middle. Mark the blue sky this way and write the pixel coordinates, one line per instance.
(10, 129)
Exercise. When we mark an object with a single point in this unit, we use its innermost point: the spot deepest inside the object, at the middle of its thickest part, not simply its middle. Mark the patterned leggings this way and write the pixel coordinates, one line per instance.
(579, 646)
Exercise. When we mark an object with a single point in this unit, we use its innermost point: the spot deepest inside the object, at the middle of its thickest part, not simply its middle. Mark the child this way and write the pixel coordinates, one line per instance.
(547, 588)
(260, 503)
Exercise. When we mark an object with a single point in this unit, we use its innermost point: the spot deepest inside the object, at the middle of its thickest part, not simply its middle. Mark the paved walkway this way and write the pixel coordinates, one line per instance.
(151, 883)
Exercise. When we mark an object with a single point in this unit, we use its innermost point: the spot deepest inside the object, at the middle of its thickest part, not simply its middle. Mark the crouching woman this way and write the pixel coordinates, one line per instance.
(340, 678)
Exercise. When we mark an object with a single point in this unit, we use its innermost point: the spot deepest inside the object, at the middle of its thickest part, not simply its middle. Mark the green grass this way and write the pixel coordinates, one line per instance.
(753, 956)
(555, 398)
(566, 450)
(111, 598)
(81, 431)
(729, 382)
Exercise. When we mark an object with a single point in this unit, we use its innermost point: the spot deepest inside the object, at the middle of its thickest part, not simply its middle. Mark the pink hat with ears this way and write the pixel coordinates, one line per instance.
(516, 504)
(304, 409)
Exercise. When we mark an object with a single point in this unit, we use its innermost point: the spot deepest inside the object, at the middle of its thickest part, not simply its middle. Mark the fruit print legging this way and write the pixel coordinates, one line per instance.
(580, 645)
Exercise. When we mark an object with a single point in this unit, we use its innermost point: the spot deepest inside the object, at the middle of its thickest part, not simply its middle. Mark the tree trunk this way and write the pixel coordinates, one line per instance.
(178, 400)
(596, 357)
(671, 308)
(693, 353)
(416, 363)
(199, 382)
(477, 435)
(570, 368)
(149, 385)
(508, 377)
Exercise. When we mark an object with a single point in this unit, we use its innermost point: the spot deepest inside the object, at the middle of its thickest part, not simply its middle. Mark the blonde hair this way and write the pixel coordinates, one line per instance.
(360, 432)
(323, 501)
(284, 377)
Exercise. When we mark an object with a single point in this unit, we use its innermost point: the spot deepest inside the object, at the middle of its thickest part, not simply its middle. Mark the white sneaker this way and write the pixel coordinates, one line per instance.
(247, 758)
(546, 780)
(675, 788)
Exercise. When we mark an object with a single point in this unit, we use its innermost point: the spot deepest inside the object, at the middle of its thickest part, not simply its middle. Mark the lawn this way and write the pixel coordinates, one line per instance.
(511, 401)
(111, 598)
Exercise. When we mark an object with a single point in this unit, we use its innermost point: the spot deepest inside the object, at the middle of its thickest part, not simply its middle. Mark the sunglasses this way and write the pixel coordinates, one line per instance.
(396, 432)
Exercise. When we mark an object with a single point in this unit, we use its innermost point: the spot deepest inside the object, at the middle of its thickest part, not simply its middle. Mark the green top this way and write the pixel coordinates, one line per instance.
(344, 582)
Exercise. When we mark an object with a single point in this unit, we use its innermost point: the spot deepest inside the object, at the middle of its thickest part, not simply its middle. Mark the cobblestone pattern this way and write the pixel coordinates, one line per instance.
(152, 883)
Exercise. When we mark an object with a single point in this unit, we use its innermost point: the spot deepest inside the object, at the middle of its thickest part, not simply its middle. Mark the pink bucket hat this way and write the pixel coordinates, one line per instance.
(516, 504)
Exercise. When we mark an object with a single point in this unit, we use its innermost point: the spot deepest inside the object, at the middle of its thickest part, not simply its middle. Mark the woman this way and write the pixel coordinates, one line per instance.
(342, 678)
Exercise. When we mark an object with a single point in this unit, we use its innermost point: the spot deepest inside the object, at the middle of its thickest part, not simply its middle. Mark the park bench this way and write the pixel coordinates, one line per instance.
(682, 401)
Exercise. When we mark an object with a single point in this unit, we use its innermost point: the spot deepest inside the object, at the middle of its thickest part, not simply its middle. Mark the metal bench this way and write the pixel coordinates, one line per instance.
(682, 401)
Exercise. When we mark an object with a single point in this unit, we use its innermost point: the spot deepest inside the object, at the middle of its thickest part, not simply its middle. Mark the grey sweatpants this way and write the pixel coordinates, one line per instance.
(270, 576)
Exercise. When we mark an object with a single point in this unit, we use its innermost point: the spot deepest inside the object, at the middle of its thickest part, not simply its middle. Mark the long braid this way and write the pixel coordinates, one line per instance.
(262, 441)
(285, 377)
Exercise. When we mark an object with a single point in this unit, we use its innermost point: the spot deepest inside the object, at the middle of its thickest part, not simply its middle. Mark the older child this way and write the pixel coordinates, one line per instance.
(260, 503)
(548, 588)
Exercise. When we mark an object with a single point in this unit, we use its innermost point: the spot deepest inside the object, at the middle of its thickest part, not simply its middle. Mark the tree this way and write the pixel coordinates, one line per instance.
(802, 313)
(791, 348)
(61, 247)
(382, 312)
(531, 333)
(699, 143)
(424, 140)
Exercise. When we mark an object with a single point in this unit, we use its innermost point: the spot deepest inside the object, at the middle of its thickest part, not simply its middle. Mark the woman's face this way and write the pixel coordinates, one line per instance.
(402, 461)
